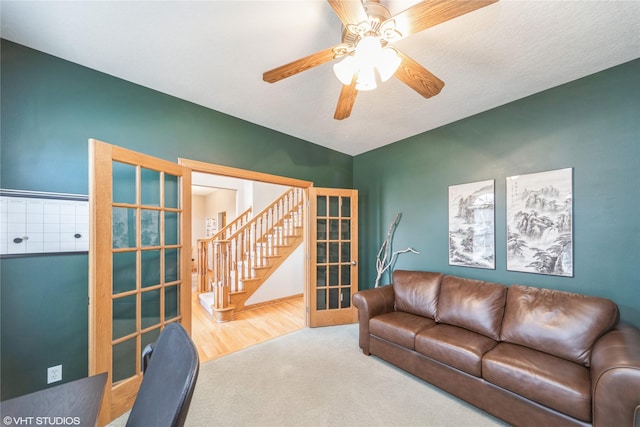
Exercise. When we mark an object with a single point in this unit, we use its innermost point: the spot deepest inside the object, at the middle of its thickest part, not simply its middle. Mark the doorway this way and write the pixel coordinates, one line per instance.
(278, 307)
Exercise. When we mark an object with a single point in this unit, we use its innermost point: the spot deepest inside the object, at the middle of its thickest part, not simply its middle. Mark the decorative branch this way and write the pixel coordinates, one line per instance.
(383, 263)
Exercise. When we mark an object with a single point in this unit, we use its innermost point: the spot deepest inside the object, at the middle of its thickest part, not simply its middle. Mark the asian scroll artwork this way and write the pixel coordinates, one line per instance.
(540, 222)
(472, 225)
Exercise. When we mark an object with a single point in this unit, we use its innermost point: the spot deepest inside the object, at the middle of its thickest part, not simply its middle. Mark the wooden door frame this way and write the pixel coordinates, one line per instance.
(231, 172)
(228, 171)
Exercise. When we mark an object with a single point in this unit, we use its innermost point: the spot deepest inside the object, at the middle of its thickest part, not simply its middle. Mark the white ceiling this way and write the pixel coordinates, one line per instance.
(213, 53)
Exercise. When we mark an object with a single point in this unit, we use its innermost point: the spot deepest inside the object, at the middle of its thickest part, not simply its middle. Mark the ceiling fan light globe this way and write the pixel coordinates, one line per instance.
(345, 69)
(388, 64)
(368, 51)
(366, 79)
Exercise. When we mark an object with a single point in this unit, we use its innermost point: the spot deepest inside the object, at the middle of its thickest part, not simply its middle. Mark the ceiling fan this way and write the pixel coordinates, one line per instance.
(366, 49)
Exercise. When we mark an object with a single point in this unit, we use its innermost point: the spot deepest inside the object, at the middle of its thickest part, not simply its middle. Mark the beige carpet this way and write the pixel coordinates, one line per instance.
(319, 377)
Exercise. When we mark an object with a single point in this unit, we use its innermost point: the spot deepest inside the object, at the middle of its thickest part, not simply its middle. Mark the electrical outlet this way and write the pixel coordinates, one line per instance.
(54, 374)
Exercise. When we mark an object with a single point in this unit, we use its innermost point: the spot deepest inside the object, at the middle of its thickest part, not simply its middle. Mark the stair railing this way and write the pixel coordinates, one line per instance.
(226, 231)
(205, 265)
(237, 257)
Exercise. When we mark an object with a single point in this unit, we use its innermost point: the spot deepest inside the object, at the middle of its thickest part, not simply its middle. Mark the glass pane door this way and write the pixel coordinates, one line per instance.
(334, 256)
(140, 277)
(146, 261)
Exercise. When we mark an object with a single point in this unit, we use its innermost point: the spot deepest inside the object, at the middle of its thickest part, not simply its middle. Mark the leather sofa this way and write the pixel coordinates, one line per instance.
(529, 356)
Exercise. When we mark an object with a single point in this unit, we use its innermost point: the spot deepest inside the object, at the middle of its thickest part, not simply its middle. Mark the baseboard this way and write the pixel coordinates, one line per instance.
(271, 302)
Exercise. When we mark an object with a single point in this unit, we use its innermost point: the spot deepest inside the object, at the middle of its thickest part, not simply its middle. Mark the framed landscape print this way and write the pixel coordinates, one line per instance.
(472, 224)
(540, 223)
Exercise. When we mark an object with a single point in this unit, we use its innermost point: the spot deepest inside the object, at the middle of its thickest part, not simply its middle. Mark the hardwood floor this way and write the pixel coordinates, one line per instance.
(249, 327)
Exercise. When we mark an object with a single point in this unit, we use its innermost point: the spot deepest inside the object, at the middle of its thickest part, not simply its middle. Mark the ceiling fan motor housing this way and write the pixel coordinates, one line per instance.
(377, 14)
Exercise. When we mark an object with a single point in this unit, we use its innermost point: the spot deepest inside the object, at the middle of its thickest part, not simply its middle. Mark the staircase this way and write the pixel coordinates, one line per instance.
(237, 260)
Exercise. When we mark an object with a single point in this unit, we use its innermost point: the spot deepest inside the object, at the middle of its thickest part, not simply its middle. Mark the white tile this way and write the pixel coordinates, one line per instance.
(35, 237)
(4, 226)
(67, 228)
(34, 219)
(15, 248)
(34, 247)
(17, 228)
(33, 226)
(34, 206)
(16, 217)
(17, 205)
(67, 219)
(51, 227)
(51, 208)
(4, 206)
(82, 208)
(51, 237)
(51, 218)
(67, 246)
(67, 208)
(4, 238)
(53, 246)
(82, 219)
(82, 245)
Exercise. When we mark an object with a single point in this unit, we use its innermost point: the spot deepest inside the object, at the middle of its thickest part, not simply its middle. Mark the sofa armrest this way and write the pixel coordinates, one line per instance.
(615, 377)
(371, 303)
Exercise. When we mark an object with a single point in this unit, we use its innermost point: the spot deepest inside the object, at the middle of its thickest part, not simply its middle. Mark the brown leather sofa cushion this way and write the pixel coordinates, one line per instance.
(549, 380)
(416, 292)
(455, 347)
(560, 323)
(399, 327)
(472, 304)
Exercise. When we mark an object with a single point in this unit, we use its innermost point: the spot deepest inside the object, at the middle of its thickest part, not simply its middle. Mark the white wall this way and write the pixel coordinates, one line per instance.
(215, 181)
(264, 194)
(221, 201)
(287, 281)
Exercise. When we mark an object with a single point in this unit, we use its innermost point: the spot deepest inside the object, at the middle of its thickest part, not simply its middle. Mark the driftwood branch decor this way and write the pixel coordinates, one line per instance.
(383, 261)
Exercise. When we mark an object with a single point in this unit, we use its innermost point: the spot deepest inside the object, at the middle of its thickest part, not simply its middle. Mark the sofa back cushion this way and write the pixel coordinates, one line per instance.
(416, 292)
(472, 304)
(560, 323)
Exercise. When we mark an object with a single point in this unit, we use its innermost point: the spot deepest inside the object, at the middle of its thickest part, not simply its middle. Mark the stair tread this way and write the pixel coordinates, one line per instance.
(252, 279)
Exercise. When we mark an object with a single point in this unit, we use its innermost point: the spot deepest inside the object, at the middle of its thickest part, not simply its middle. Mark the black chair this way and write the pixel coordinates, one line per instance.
(170, 371)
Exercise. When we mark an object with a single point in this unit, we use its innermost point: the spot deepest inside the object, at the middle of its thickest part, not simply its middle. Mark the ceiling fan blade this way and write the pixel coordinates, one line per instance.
(428, 13)
(417, 77)
(346, 101)
(298, 66)
(349, 11)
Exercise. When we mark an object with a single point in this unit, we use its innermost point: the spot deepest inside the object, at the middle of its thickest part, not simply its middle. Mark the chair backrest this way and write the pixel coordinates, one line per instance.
(168, 382)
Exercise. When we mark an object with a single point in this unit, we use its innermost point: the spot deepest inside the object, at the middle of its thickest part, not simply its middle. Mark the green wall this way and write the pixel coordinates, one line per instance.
(591, 125)
(44, 320)
(50, 108)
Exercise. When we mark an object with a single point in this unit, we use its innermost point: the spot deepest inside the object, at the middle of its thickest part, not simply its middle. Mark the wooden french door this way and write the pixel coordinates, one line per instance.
(140, 256)
(333, 261)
